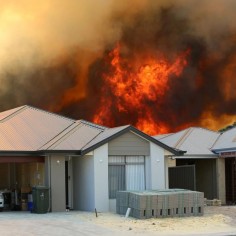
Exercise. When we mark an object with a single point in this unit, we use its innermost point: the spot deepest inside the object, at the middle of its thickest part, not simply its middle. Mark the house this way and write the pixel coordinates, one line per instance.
(225, 148)
(208, 164)
(82, 163)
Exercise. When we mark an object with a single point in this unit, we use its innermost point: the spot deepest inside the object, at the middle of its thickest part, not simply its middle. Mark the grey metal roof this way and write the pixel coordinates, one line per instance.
(103, 136)
(194, 140)
(112, 133)
(171, 139)
(226, 141)
(77, 137)
(8, 113)
(28, 128)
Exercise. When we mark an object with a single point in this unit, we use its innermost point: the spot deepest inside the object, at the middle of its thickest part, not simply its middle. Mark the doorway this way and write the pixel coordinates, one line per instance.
(68, 184)
(230, 180)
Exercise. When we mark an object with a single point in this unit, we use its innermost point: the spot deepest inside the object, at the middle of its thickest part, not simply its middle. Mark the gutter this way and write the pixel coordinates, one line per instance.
(218, 151)
(192, 157)
(40, 153)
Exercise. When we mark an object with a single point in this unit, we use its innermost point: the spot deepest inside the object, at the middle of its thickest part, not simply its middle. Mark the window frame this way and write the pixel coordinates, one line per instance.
(124, 164)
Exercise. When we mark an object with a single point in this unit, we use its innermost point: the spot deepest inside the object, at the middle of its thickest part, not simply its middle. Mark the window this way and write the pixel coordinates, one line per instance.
(126, 173)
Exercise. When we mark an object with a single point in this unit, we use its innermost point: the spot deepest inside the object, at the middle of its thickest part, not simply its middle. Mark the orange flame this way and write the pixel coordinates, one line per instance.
(133, 85)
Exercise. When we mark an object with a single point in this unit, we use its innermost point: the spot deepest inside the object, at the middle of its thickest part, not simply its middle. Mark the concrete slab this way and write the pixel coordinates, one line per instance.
(58, 224)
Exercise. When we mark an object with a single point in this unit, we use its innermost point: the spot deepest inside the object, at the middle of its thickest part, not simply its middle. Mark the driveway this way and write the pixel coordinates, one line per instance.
(66, 223)
(216, 221)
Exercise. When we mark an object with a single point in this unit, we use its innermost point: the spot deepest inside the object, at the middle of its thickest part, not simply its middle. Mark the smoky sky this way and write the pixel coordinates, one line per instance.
(48, 53)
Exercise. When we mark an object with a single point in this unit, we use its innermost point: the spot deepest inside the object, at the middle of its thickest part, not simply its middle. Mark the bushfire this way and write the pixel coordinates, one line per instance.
(137, 86)
(160, 66)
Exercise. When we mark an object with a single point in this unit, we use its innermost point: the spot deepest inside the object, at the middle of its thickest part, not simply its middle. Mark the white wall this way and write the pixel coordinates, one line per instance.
(157, 165)
(90, 178)
(101, 178)
(148, 172)
(83, 180)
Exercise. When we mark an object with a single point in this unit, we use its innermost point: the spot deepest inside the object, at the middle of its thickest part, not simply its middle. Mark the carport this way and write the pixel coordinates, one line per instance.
(17, 176)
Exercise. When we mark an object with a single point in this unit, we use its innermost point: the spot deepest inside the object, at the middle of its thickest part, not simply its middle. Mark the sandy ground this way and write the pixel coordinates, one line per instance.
(216, 221)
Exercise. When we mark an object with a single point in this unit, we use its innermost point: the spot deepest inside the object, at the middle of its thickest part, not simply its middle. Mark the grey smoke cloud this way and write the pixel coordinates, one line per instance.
(50, 50)
(53, 28)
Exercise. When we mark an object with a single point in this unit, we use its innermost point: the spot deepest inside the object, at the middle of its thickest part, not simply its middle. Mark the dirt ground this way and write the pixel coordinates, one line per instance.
(216, 221)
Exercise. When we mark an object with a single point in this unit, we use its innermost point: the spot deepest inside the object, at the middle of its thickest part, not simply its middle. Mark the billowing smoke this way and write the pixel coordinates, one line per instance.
(56, 55)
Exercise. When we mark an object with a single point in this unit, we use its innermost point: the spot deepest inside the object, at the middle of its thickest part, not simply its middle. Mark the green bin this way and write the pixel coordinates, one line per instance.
(40, 199)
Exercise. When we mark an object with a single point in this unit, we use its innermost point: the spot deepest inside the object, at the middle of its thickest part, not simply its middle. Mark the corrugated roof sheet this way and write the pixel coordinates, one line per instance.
(107, 133)
(194, 140)
(30, 128)
(5, 114)
(227, 140)
(171, 139)
(78, 137)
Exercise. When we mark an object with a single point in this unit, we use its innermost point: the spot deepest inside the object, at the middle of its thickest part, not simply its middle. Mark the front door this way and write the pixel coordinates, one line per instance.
(68, 183)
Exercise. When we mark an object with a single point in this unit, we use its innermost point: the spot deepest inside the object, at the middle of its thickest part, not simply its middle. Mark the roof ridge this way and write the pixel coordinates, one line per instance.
(50, 113)
(60, 139)
(131, 128)
(77, 124)
(183, 137)
(229, 129)
(21, 108)
(163, 136)
(206, 129)
(85, 122)
(107, 129)
(92, 139)
(220, 133)
(24, 107)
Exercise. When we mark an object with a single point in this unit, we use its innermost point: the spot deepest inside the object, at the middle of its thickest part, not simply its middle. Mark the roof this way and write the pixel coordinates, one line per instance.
(194, 140)
(29, 130)
(76, 137)
(8, 113)
(226, 141)
(112, 133)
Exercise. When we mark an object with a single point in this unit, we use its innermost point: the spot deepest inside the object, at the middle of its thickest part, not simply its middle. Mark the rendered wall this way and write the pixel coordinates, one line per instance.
(157, 167)
(57, 177)
(83, 183)
(101, 178)
(220, 172)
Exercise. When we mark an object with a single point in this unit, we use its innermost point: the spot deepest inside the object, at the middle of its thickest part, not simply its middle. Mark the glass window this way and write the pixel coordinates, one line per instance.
(126, 173)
